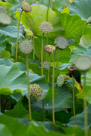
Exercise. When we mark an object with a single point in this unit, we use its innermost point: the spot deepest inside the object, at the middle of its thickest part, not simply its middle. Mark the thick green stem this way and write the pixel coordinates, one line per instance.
(42, 54)
(58, 59)
(33, 48)
(28, 82)
(49, 71)
(47, 10)
(74, 102)
(85, 108)
(18, 35)
(51, 4)
(53, 111)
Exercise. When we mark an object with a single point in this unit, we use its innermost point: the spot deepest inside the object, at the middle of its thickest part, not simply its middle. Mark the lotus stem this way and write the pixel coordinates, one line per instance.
(33, 48)
(58, 59)
(85, 107)
(47, 10)
(49, 71)
(28, 82)
(42, 46)
(52, 4)
(53, 111)
(74, 102)
(18, 35)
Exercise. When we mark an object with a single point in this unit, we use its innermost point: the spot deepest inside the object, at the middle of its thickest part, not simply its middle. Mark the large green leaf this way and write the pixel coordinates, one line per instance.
(4, 131)
(80, 50)
(10, 31)
(14, 80)
(33, 19)
(73, 25)
(16, 128)
(62, 100)
(80, 119)
(82, 8)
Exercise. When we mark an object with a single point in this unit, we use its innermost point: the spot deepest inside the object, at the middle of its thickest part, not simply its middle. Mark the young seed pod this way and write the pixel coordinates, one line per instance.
(83, 63)
(60, 80)
(61, 42)
(26, 46)
(50, 49)
(25, 6)
(89, 20)
(46, 65)
(46, 27)
(36, 90)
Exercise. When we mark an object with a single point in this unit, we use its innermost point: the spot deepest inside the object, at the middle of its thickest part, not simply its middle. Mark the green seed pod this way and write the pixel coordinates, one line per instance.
(25, 6)
(61, 42)
(5, 19)
(26, 46)
(89, 20)
(46, 27)
(36, 91)
(46, 65)
(83, 63)
(50, 49)
(60, 80)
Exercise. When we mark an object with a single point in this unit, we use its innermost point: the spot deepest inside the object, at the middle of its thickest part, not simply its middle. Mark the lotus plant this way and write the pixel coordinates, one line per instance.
(26, 48)
(26, 8)
(50, 49)
(83, 63)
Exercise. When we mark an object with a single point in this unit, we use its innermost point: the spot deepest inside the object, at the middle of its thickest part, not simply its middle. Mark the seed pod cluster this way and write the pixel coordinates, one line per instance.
(60, 80)
(46, 65)
(26, 46)
(46, 27)
(36, 90)
(50, 49)
(25, 6)
(83, 63)
(61, 42)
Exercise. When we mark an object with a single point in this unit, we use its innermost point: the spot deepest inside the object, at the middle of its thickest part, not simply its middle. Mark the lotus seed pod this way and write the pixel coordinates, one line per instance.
(50, 49)
(36, 91)
(83, 63)
(4, 19)
(61, 42)
(89, 20)
(26, 46)
(60, 80)
(72, 70)
(46, 65)
(46, 27)
(25, 6)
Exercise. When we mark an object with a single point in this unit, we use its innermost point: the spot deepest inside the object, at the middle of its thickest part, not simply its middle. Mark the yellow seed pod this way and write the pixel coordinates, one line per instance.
(36, 90)
(50, 49)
